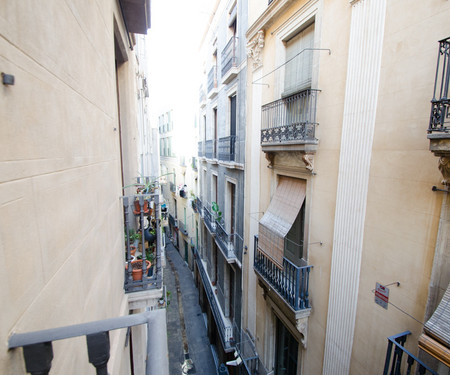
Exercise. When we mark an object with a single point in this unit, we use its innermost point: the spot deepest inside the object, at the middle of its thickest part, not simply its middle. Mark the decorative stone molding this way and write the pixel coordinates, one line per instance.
(308, 159)
(444, 167)
(254, 49)
(290, 158)
(302, 327)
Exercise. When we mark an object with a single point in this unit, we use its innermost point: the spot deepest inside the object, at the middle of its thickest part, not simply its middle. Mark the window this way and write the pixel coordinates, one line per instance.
(214, 189)
(232, 100)
(230, 214)
(286, 351)
(283, 222)
(298, 68)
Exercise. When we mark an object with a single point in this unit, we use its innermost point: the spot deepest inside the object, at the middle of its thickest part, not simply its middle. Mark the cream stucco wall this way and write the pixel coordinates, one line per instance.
(61, 220)
(402, 213)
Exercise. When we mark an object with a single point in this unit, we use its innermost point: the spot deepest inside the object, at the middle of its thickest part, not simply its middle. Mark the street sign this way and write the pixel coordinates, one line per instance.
(381, 295)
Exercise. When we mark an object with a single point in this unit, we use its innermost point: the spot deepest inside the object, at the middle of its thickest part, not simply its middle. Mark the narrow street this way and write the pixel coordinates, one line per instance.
(189, 349)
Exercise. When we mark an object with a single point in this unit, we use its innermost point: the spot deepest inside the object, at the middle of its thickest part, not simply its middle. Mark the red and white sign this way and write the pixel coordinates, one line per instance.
(381, 295)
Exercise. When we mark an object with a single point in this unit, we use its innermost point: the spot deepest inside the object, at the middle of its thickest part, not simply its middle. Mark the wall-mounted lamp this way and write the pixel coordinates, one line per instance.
(7, 79)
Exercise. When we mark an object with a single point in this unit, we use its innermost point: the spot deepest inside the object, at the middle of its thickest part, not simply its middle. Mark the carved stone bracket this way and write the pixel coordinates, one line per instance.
(444, 167)
(308, 159)
(291, 158)
(302, 327)
(254, 48)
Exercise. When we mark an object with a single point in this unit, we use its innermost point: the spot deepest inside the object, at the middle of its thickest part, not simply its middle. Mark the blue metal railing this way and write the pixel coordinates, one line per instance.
(201, 151)
(399, 363)
(290, 281)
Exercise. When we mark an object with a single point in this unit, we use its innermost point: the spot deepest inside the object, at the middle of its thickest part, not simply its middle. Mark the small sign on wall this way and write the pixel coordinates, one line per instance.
(381, 295)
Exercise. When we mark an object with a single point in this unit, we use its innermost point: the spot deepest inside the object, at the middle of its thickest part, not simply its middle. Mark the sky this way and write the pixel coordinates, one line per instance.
(177, 27)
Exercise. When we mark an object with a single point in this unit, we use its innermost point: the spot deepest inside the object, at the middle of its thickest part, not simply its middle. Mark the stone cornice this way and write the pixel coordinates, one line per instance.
(266, 19)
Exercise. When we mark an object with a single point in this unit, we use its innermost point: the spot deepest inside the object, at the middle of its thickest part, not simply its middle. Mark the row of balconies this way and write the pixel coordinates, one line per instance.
(222, 149)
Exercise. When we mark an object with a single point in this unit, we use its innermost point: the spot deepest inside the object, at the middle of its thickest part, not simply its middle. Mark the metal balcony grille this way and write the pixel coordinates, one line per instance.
(229, 58)
(290, 120)
(210, 149)
(227, 148)
(209, 220)
(212, 79)
(440, 104)
(291, 282)
(401, 361)
(201, 151)
(225, 331)
(139, 206)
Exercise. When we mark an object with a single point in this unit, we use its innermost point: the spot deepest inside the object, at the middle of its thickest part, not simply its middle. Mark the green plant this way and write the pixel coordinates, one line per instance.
(217, 212)
(133, 235)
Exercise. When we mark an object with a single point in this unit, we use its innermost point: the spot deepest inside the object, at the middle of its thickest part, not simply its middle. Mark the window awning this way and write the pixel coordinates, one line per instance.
(280, 216)
(436, 339)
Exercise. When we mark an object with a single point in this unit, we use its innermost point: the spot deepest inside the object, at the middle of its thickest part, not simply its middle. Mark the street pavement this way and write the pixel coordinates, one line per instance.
(188, 343)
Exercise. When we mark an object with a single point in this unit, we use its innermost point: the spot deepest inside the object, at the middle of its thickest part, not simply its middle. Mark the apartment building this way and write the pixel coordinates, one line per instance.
(221, 149)
(347, 241)
(73, 107)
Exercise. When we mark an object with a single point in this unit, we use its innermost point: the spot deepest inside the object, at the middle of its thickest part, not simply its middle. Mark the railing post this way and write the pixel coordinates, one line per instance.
(126, 205)
(297, 287)
(98, 351)
(38, 358)
(141, 219)
(158, 240)
(388, 358)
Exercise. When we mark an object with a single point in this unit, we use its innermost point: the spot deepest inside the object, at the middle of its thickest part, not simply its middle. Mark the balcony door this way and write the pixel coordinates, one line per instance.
(293, 243)
(232, 126)
(286, 351)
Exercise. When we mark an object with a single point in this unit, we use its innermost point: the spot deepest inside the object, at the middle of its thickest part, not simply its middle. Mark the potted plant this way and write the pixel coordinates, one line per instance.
(136, 268)
(217, 212)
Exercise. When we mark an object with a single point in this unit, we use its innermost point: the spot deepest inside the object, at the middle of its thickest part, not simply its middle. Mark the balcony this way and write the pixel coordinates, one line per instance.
(439, 125)
(172, 221)
(289, 124)
(201, 149)
(199, 204)
(401, 361)
(38, 348)
(182, 228)
(211, 149)
(210, 221)
(173, 188)
(291, 282)
(229, 61)
(224, 324)
(227, 148)
(202, 97)
(142, 269)
(229, 244)
(212, 83)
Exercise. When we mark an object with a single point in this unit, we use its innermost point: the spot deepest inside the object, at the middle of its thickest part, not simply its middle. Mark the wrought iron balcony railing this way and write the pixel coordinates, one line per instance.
(229, 58)
(210, 222)
(290, 120)
(199, 205)
(227, 148)
(202, 96)
(173, 221)
(402, 361)
(440, 104)
(229, 244)
(212, 79)
(224, 325)
(201, 149)
(173, 188)
(211, 149)
(182, 228)
(290, 281)
(142, 274)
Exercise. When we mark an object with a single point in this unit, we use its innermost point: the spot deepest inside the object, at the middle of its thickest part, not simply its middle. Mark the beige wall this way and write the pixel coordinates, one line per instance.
(61, 221)
(402, 213)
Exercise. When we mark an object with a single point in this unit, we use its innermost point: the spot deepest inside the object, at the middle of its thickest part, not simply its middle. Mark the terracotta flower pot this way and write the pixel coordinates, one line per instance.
(137, 207)
(136, 267)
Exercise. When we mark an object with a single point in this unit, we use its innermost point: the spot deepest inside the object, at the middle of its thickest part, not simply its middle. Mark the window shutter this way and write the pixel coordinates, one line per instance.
(298, 71)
